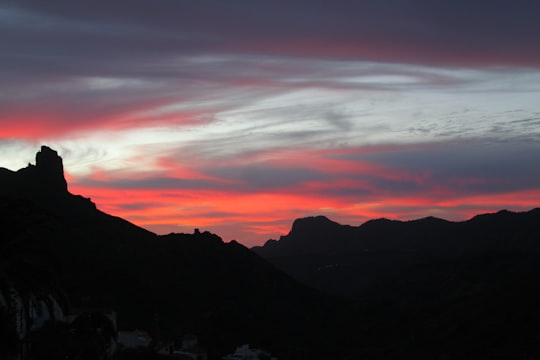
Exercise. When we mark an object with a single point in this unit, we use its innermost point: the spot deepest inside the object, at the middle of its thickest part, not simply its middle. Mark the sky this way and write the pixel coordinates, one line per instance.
(239, 116)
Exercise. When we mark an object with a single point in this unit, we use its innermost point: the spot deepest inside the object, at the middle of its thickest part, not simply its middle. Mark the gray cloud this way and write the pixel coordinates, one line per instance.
(91, 64)
(260, 178)
(63, 36)
(464, 167)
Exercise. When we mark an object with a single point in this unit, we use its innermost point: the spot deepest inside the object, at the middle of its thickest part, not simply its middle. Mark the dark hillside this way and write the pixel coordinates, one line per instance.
(479, 306)
(423, 289)
(169, 285)
(428, 288)
(347, 260)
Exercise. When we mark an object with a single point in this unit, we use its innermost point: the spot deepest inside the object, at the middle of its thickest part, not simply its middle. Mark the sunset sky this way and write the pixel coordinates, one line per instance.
(238, 116)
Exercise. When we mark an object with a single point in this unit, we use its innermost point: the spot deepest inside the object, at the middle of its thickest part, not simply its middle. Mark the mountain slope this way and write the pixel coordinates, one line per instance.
(169, 285)
(346, 259)
(423, 289)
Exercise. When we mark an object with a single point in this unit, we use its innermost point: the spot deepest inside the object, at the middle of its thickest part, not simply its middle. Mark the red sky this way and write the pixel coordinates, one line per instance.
(238, 117)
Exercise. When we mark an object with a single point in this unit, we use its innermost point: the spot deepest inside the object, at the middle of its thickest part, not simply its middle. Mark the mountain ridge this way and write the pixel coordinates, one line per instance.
(345, 251)
(318, 222)
(425, 289)
(194, 283)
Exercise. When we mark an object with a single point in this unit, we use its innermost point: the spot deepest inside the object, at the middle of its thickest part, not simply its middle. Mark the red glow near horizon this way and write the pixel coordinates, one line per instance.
(253, 218)
(349, 191)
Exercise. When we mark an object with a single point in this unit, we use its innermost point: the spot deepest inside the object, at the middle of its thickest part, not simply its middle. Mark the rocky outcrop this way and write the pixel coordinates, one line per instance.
(42, 180)
(49, 170)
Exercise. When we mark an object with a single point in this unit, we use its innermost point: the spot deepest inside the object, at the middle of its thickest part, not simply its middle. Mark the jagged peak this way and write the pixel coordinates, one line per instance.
(44, 178)
(48, 157)
(51, 168)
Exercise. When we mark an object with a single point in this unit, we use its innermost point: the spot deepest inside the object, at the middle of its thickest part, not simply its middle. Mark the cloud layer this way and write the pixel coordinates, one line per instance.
(238, 116)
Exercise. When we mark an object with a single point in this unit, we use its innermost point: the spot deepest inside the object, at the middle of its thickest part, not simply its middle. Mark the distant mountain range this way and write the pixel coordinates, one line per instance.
(347, 259)
(428, 288)
(420, 289)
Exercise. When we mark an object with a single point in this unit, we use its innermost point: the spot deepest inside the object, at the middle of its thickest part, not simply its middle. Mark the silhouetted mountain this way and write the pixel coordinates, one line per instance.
(428, 288)
(169, 285)
(43, 179)
(346, 259)
(423, 289)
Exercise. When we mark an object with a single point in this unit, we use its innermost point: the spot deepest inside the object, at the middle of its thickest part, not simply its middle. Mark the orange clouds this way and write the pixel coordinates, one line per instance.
(253, 217)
